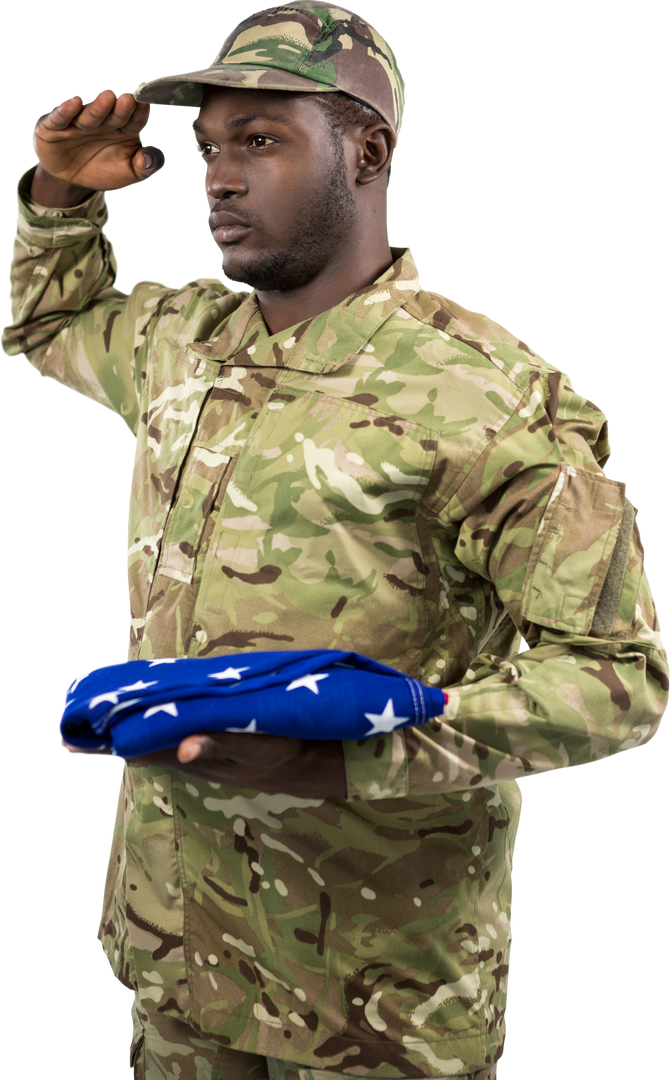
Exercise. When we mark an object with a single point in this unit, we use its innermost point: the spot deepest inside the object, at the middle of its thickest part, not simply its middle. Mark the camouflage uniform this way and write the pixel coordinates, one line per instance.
(397, 476)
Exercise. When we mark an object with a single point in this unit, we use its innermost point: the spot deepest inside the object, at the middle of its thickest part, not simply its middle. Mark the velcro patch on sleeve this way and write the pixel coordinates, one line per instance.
(573, 551)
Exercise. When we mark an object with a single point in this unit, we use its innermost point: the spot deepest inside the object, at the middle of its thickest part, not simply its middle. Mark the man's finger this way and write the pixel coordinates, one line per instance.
(81, 750)
(62, 116)
(138, 117)
(96, 112)
(195, 746)
(150, 159)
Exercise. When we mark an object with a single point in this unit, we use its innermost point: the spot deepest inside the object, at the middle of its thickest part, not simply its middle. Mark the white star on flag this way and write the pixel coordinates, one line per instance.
(386, 721)
(170, 708)
(251, 726)
(308, 681)
(122, 705)
(167, 660)
(229, 673)
(112, 696)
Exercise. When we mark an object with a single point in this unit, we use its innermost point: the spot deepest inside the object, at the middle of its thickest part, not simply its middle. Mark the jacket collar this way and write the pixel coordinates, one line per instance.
(323, 343)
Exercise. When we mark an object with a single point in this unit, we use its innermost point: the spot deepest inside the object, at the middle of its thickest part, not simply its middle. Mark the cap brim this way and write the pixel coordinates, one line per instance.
(188, 89)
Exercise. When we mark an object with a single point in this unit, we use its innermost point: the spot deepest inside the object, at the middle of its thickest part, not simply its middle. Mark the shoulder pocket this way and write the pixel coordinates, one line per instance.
(579, 557)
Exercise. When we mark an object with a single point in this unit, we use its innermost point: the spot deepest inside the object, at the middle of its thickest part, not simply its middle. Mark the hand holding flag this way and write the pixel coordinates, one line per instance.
(299, 705)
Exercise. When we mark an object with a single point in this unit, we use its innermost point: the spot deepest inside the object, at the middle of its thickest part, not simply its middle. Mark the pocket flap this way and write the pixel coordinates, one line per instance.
(573, 550)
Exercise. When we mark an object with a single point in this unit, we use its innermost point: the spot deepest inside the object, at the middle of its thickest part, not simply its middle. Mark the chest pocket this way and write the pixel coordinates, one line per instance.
(199, 485)
(326, 460)
(222, 430)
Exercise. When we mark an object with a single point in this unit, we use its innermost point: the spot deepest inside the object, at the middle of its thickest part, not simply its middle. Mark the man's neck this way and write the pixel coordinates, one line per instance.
(343, 276)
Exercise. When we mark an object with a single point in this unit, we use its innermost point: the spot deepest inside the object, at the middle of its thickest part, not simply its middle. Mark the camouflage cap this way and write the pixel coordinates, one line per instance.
(309, 47)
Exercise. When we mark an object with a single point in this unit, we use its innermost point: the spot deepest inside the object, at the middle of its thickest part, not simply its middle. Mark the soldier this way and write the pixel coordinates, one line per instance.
(339, 459)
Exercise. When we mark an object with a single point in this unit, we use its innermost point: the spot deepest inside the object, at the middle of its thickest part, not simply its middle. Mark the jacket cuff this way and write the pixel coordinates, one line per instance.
(43, 227)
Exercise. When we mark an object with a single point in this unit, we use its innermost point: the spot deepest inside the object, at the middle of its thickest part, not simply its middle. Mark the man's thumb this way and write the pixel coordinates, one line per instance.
(148, 160)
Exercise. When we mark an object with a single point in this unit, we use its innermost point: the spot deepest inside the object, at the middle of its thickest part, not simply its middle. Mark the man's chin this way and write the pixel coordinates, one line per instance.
(278, 282)
(267, 271)
(239, 269)
(235, 282)
(250, 277)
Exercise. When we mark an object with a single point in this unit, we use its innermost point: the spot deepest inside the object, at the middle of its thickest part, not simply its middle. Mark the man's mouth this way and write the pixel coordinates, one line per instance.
(226, 234)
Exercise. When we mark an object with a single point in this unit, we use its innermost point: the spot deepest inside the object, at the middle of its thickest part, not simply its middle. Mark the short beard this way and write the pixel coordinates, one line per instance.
(324, 222)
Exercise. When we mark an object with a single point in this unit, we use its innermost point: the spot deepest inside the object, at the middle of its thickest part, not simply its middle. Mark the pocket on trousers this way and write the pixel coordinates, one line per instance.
(135, 1057)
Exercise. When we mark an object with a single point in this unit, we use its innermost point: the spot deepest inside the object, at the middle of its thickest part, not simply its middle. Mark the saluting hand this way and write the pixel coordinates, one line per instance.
(94, 147)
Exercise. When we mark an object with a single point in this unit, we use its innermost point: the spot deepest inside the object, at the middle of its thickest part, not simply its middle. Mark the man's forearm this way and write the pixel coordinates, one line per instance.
(47, 190)
(307, 769)
(322, 772)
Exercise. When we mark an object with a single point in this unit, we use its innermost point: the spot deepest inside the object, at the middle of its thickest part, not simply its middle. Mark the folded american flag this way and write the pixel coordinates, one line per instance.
(146, 705)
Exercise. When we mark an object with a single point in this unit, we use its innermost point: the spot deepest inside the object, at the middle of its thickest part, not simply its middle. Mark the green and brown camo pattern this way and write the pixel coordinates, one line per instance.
(307, 47)
(397, 476)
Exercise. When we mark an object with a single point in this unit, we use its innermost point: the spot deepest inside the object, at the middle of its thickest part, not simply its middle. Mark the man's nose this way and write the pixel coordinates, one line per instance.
(224, 177)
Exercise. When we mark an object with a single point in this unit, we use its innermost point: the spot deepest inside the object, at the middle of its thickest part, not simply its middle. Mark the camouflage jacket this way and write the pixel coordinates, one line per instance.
(396, 476)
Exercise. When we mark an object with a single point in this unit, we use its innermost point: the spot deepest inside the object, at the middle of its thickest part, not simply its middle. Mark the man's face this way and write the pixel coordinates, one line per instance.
(277, 185)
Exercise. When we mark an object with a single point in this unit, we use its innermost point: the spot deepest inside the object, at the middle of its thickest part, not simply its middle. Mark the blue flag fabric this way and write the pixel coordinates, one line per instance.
(147, 705)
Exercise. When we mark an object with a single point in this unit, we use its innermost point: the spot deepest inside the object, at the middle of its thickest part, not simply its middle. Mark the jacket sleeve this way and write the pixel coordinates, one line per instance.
(537, 517)
(68, 318)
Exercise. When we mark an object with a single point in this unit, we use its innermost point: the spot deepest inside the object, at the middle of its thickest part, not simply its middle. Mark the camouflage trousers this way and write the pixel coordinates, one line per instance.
(167, 1049)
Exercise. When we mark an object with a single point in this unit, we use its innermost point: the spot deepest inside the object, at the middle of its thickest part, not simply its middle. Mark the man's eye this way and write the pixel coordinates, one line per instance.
(206, 149)
(200, 149)
(260, 141)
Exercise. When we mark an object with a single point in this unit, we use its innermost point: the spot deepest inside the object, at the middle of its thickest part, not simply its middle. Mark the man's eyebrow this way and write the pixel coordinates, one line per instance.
(245, 118)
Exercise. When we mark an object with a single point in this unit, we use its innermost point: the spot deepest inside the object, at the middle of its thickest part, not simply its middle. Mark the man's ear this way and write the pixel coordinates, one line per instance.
(374, 150)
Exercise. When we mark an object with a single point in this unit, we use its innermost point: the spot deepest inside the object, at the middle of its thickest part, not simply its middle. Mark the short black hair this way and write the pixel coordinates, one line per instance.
(343, 113)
